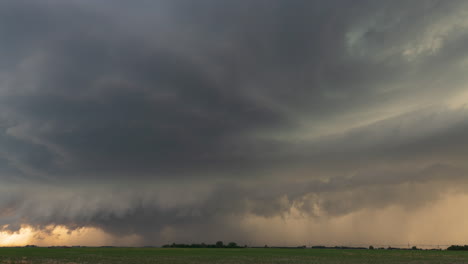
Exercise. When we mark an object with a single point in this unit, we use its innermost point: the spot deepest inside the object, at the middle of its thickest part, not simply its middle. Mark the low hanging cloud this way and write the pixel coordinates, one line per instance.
(183, 120)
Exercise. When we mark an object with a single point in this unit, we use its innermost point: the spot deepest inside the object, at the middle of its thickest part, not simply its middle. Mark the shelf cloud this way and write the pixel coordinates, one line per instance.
(191, 121)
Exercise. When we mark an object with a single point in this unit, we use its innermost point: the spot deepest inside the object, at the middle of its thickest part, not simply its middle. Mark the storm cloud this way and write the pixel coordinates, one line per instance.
(181, 120)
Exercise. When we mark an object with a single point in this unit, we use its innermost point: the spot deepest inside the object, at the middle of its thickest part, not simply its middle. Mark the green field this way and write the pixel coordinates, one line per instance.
(247, 255)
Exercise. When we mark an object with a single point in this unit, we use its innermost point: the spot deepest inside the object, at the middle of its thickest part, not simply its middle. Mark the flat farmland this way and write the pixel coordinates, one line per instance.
(228, 256)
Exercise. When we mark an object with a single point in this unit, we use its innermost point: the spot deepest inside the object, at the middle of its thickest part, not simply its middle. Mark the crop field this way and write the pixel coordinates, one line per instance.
(228, 256)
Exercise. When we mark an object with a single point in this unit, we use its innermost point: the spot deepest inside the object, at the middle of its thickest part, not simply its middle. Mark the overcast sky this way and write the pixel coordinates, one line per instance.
(261, 122)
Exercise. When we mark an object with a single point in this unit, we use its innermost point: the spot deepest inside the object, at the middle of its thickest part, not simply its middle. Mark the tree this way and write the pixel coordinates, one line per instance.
(232, 245)
(371, 247)
(219, 244)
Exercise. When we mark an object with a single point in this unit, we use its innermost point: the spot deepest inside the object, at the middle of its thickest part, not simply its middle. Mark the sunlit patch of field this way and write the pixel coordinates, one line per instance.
(223, 256)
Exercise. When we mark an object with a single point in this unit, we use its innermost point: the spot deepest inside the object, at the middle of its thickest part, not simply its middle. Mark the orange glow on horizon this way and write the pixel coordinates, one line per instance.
(19, 238)
(62, 236)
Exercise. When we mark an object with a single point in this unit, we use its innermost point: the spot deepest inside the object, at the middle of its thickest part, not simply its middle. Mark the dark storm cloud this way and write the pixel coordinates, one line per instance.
(138, 117)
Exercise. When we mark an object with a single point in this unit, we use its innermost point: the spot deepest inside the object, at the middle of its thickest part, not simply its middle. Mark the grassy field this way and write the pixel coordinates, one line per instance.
(231, 256)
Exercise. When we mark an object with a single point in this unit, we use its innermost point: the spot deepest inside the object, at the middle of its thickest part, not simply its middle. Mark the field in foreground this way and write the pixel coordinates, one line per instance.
(247, 255)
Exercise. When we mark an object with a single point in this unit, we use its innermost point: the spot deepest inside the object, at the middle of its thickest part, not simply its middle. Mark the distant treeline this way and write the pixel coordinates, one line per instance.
(456, 247)
(339, 247)
(218, 244)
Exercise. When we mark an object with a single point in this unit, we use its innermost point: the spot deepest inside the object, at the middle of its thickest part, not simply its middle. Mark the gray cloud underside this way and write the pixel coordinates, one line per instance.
(135, 117)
